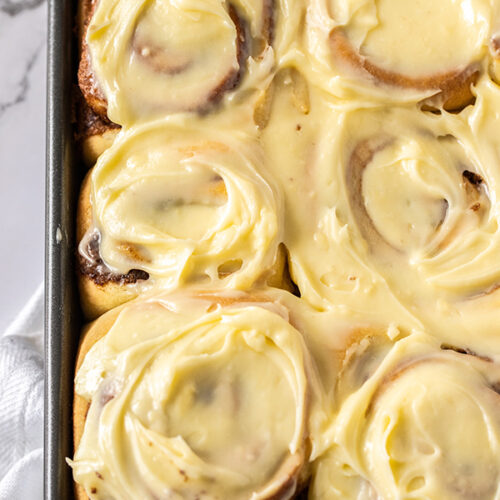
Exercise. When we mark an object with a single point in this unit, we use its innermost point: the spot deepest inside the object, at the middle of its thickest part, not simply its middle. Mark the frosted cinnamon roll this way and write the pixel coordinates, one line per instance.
(194, 395)
(142, 60)
(168, 205)
(425, 424)
(424, 202)
(407, 222)
(402, 50)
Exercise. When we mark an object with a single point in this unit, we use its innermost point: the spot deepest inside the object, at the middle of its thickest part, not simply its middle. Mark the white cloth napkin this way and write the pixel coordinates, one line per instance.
(21, 404)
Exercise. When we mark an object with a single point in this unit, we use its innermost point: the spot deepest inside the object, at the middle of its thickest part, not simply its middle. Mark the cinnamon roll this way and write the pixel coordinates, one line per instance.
(168, 205)
(402, 51)
(407, 222)
(193, 395)
(424, 424)
(142, 60)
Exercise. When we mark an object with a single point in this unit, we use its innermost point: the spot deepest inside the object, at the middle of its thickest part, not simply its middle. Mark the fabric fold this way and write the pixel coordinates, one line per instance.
(21, 403)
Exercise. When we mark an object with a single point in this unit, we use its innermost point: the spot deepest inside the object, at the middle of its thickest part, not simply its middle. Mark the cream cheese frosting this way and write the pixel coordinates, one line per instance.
(196, 396)
(390, 216)
(185, 205)
(424, 425)
(150, 60)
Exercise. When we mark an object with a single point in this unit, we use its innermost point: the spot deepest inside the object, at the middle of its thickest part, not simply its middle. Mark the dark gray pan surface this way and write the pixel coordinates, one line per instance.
(62, 312)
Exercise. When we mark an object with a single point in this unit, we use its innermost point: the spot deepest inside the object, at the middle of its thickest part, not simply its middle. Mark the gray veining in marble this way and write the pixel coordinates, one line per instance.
(22, 151)
(13, 8)
(24, 83)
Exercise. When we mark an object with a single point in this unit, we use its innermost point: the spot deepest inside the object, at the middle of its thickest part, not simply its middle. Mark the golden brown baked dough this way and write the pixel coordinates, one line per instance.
(94, 134)
(86, 79)
(90, 335)
(100, 289)
(495, 59)
(94, 131)
(427, 53)
(390, 223)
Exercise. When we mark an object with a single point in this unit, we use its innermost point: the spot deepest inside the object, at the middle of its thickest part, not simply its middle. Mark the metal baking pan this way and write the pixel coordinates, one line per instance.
(62, 311)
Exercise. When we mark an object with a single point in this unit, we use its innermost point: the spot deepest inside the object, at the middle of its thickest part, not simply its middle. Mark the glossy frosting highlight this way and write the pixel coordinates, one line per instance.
(378, 167)
(399, 218)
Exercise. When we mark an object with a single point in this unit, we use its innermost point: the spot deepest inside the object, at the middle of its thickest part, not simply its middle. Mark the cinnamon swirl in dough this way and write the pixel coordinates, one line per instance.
(170, 204)
(194, 395)
(425, 424)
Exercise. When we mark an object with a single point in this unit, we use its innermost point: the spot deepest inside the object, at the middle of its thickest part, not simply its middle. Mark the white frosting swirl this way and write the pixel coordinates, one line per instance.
(425, 425)
(194, 400)
(185, 205)
(405, 219)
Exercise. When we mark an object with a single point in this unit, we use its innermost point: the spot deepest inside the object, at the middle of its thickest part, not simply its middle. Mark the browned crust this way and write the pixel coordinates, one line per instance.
(403, 368)
(453, 87)
(87, 79)
(364, 349)
(363, 154)
(102, 290)
(94, 146)
(268, 21)
(495, 46)
(93, 332)
(278, 276)
(466, 351)
(88, 123)
(94, 133)
(99, 292)
(97, 271)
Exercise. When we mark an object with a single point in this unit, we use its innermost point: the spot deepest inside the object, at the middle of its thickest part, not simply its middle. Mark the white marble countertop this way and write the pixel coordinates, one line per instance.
(22, 151)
